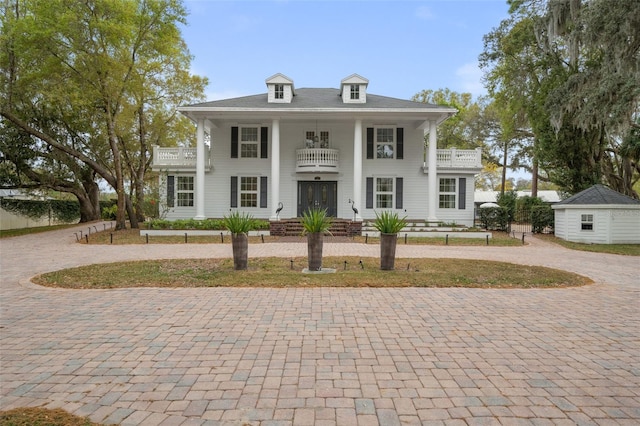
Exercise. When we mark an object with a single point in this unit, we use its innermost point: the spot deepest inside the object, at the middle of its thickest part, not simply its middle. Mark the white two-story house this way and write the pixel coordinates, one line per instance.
(339, 149)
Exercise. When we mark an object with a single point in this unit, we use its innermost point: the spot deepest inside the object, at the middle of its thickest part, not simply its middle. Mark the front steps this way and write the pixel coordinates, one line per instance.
(293, 228)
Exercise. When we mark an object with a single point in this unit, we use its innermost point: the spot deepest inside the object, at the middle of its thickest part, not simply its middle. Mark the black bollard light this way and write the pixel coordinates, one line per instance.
(185, 237)
(222, 238)
(361, 264)
(345, 265)
(446, 239)
(147, 235)
(291, 264)
(111, 238)
(523, 238)
(262, 237)
(86, 238)
(487, 239)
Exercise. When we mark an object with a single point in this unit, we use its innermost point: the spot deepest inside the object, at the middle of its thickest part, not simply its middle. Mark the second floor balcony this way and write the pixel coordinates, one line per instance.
(452, 159)
(315, 160)
(180, 158)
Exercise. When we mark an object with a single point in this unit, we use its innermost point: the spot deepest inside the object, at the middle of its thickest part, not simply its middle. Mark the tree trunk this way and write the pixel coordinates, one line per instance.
(90, 205)
(314, 249)
(240, 245)
(133, 219)
(388, 251)
(534, 178)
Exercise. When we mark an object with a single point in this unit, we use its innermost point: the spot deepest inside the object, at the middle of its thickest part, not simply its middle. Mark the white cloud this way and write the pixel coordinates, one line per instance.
(423, 12)
(470, 78)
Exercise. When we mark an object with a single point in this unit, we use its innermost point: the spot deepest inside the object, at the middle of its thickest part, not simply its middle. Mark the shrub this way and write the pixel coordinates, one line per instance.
(541, 218)
(388, 222)
(494, 218)
(239, 223)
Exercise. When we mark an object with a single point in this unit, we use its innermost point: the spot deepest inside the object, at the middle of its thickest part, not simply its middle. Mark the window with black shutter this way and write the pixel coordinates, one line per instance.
(234, 142)
(171, 191)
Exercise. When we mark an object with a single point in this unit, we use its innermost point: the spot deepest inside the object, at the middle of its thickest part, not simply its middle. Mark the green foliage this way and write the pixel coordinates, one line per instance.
(388, 222)
(239, 223)
(315, 220)
(109, 212)
(526, 202)
(206, 224)
(494, 218)
(542, 217)
(60, 210)
(507, 201)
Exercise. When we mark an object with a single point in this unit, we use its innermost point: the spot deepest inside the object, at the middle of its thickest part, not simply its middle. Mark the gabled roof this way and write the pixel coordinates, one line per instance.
(279, 79)
(599, 195)
(354, 79)
(310, 98)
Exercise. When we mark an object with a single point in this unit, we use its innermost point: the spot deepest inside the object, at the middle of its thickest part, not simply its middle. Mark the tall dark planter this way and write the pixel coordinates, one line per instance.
(240, 244)
(314, 247)
(388, 251)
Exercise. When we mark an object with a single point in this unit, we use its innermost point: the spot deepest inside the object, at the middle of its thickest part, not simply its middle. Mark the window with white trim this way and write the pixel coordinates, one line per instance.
(249, 142)
(447, 193)
(355, 91)
(385, 142)
(248, 191)
(384, 192)
(586, 222)
(278, 91)
(184, 191)
(321, 142)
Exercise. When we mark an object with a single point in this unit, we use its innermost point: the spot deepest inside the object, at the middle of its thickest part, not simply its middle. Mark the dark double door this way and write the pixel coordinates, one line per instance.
(318, 194)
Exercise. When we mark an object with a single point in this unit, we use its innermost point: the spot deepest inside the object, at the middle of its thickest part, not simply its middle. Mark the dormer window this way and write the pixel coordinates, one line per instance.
(355, 91)
(278, 91)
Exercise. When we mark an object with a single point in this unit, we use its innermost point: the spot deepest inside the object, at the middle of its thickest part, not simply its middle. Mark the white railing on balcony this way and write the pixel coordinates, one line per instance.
(458, 158)
(316, 160)
(180, 157)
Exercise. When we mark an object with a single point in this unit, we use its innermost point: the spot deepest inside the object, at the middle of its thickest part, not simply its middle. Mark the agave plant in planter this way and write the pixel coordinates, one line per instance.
(315, 222)
(389, 224)
(239, 225)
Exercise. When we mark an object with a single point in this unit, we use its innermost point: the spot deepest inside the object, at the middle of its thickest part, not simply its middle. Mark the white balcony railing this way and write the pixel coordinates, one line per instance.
(177, 158)
(317, 160)
(458, 158)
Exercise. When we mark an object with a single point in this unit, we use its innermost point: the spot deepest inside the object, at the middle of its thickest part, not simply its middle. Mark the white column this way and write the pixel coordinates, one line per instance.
(199, 183)
(357, 168)
(275, 167)
(432, 177)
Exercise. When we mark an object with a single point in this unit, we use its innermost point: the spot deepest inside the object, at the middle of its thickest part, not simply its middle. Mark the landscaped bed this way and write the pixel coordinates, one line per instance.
(285, 272)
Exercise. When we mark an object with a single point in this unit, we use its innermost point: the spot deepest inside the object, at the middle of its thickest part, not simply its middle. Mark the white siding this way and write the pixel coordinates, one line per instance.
(625, 226)
(292, 135)
(560, 227)
(599, 234)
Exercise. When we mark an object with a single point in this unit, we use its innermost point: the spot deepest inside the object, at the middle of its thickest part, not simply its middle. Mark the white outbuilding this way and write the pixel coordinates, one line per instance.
(598, 215)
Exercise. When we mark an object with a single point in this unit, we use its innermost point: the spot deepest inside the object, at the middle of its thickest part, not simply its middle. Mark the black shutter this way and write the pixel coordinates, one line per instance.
(263, 192)
(462, 193)
(369, 143)
(234, 191)
(171, 191)
(369, 193)
(399, 143)
(234, 142)
(264, 146)
(399, 182)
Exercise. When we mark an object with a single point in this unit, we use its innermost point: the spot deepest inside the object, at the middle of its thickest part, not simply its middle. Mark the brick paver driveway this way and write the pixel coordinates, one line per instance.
(321, 356)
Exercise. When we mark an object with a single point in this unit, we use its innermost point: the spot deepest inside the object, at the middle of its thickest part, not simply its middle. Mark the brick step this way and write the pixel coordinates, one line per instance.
(293, 228)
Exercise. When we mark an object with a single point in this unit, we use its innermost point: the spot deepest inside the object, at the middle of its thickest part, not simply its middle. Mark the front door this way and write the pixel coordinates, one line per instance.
(318, 194)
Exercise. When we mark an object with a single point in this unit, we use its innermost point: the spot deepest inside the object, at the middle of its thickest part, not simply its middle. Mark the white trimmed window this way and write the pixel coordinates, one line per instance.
(586, 222)
(385, 143)
(248, 191)
(384, 193)
(355, 91)
(323, 139)
(278, 91)
(447, 193)
(249, 142)
(184, 191)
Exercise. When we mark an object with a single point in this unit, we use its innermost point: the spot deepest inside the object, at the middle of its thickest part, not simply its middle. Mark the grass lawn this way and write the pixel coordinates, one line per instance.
(134, 236)
(26, 231)
(42, 417)
(282, 273)
(624, 249)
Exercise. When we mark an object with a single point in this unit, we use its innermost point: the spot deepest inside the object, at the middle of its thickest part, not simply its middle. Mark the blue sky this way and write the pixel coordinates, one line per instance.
(402, 47)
